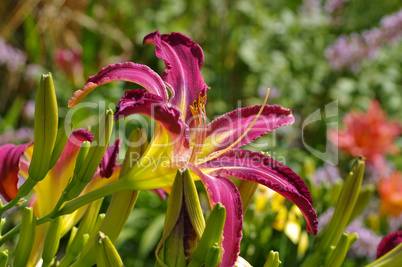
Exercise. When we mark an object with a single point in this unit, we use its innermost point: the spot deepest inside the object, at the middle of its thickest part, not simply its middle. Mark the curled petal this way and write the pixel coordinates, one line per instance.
(388, 243)
(259, 168)
(141, 102)
(10, 156)
(226, 129)
(223, 190)
(183, 60)
(128, 71)
(108, 161)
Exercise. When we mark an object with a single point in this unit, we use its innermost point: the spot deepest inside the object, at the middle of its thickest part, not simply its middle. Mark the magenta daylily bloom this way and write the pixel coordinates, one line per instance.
(210, 150)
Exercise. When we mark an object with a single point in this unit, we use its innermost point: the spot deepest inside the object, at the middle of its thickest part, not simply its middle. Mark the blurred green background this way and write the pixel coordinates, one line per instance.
(249, 45)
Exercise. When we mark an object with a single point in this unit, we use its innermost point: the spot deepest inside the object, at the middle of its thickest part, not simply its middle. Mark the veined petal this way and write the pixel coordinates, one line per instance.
(128, 71)
(226, 129)
(257, 167)
(183, 60)
(10, 156)
(141, 102)
(223, 190)
(108, 161)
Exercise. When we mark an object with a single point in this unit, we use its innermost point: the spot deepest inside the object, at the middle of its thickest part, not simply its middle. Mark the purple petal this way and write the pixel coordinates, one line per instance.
(141, 102)
(108, 161)
(183, 60)
(257, 167)
(130, 72)
(223, 190)
(225, 130)
(10, 156)
(389, 242)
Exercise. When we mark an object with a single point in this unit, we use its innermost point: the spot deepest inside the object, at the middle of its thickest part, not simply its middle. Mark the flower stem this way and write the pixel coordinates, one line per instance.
(119, 185)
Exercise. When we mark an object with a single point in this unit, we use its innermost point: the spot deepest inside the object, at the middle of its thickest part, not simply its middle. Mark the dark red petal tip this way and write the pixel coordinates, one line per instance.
(389, 242)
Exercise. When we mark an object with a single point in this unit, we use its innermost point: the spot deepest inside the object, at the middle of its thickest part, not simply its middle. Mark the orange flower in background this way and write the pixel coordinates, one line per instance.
(368, 134)
(390, 191)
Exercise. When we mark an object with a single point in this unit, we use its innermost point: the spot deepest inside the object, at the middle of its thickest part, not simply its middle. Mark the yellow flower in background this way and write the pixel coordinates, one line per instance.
(287, 220)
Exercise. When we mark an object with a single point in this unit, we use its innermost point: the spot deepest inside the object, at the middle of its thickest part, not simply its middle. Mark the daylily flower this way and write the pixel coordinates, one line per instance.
(183, 138)
(14, 163)
(369, 135)
(390, 191)
(389, 242)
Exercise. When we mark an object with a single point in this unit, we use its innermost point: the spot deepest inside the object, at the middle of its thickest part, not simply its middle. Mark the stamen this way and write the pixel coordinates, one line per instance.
(242, 136)
(198, 111)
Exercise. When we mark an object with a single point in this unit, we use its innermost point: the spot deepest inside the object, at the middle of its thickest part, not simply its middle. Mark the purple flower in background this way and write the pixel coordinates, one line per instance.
(334, 6)
(309, 6)
(325, 218)
(12, 57)
(349, 51)
(21, 135)
(366, 244)
(327, 174)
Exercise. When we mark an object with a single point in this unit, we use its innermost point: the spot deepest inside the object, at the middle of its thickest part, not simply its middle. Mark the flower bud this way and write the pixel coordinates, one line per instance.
(211, 237)
(68, 192)
(107, 254)
(61, 140)
(52, 240)
(345, 206)
(214, 256)
(98, 148)
(272, 259)
(3, 258)
(336, 257)
(27, 238)
(45, 129)
(365, 194)
(87, 167)
(193, 205)
(82, 154)
(170, 248)
(82, 234)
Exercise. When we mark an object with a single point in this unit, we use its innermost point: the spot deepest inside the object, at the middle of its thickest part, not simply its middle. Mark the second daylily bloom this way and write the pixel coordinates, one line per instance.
(55, 181)
(183, 138)
(368, 134)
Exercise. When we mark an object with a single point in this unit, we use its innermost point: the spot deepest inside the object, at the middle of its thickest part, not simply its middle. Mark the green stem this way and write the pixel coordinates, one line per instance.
(119, 185)
(10, 234)
(314, 260)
